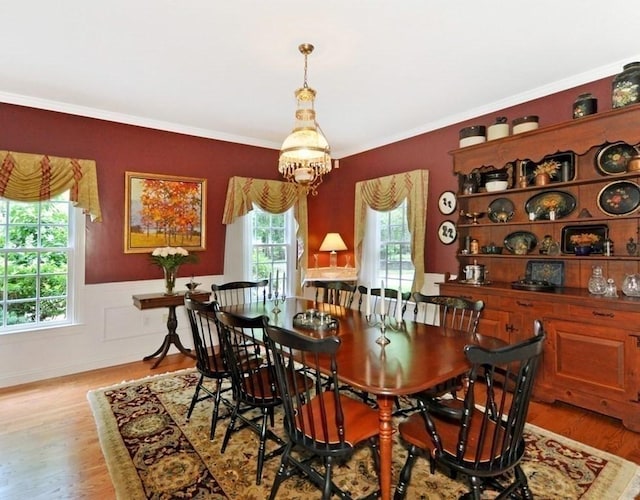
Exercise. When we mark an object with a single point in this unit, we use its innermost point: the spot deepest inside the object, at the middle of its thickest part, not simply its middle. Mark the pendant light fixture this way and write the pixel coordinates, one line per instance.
(305, 155)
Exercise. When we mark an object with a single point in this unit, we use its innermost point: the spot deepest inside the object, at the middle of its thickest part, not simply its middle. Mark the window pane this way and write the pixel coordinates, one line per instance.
(53, 285)
(23, 213)
(53, 262)
(54, 236)
(23, 236)
(21, 312)
(21, 287)
(52, 310)
(22, 263)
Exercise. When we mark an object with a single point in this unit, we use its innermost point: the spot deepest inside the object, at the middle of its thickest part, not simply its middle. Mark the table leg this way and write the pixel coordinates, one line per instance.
(385, 410)
(170, 338)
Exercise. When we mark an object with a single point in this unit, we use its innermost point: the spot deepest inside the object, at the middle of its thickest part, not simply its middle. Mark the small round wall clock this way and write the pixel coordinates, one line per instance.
(447, 232)
(447, 202)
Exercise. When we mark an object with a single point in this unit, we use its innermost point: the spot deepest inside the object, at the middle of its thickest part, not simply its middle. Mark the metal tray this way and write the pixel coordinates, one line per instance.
(533, 286)
(315, 320)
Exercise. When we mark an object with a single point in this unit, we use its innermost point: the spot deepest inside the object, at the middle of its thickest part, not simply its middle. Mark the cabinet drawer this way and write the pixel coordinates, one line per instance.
(538, 308)
(600, 314)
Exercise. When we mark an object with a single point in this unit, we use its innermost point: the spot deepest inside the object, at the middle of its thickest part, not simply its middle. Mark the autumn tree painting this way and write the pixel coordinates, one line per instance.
(164, 211)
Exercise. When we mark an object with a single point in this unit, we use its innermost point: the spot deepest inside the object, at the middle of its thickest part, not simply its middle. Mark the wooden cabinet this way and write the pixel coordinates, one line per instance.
(592, 351)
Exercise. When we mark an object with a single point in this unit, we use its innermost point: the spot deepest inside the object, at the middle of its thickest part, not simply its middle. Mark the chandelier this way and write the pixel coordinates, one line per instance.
(305, 155)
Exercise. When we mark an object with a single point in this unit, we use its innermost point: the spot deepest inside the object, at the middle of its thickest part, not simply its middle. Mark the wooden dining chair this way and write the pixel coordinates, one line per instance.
(240, 292)
(210, 360)
(453, 312)
(337, 293)
(253, 381)
(390, 297)
(320, 421)
(484, 438)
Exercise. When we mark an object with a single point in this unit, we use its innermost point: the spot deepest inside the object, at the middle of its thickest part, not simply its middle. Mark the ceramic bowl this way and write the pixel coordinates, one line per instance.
(493, 186)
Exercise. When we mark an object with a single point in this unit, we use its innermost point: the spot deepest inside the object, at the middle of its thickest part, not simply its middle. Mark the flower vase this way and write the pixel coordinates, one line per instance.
(542, 179)
(170, 274)
(582, 249)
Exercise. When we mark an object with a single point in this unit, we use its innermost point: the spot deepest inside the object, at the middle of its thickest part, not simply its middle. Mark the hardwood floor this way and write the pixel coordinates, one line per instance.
(49, 446)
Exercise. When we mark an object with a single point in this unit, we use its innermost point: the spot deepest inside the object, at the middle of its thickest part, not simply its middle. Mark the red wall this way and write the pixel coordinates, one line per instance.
(118, 148)
(333, 208)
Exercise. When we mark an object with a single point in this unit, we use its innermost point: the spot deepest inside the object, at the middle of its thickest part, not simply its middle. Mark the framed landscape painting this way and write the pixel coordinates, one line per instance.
(163, 210)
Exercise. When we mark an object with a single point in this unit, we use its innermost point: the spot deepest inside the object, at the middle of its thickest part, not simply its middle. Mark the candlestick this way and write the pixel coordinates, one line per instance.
(382, 299)
(270, 283)
(277, 279)
(368, 310)
(399, 307)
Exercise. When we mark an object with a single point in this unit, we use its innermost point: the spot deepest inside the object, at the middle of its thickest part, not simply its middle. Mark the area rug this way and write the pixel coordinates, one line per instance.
(152, 452)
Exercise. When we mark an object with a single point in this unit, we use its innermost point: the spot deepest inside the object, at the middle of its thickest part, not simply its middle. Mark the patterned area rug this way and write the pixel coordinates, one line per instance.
(153, 453)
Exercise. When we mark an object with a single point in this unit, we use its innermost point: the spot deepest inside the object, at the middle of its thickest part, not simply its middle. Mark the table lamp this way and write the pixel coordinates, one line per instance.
(332, 243)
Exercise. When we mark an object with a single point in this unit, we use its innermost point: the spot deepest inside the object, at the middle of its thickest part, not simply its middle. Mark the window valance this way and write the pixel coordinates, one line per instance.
(386, 193)
(36, 177)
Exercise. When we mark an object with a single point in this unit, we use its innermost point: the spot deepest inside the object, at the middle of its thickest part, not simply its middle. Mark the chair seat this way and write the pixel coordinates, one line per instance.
(415, 432)
(360, 420)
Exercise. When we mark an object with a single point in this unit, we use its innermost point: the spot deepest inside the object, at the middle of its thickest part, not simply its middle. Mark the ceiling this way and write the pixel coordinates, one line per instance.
(383, 70)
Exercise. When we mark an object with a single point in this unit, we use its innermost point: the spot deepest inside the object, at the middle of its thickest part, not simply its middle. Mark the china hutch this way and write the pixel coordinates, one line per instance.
(592, 351)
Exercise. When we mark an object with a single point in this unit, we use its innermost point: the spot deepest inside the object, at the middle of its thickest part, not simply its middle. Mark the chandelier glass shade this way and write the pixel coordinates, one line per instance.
(305, 155)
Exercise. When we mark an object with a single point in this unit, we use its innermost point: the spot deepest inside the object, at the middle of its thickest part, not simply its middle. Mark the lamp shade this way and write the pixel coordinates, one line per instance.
(332, 242)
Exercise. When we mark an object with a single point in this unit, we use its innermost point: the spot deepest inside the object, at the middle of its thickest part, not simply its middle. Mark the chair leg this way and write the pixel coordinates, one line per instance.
(326, 490)
(476, 488)
(232, 423)
(405, 474)
(521, 478)
(282, 471)
(216, 408)
(194, 399)
(263, 439)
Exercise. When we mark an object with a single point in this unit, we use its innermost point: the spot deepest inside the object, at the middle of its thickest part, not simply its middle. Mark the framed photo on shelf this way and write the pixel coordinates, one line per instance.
(164, 210)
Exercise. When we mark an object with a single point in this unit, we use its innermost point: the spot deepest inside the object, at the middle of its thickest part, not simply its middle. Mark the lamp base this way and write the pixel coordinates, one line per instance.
(333, 259)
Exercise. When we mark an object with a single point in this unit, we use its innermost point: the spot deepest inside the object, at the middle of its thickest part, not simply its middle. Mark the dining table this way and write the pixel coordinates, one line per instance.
(416, 357)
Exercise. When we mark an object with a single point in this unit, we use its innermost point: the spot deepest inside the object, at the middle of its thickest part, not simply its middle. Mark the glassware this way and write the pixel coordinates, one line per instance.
(611, 290)
(631, 285)
(597, 285)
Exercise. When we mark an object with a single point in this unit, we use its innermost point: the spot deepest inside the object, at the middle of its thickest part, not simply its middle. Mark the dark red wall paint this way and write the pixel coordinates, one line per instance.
(118, 148)
(333, 210)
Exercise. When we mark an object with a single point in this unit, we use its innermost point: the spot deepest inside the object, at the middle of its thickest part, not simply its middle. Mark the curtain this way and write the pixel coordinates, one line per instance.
(36, 177)
(386, 193)
(271, 196)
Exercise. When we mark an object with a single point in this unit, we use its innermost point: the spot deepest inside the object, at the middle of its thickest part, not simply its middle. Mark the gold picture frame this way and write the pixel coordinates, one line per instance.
(164, 210)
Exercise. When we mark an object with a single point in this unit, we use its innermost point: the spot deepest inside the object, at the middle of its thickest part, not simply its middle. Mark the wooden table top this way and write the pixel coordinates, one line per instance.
(153, 300)
(417, 358)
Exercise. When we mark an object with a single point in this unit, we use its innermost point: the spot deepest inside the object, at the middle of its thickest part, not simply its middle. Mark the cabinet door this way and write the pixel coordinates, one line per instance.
(591, 358)
(493, 322)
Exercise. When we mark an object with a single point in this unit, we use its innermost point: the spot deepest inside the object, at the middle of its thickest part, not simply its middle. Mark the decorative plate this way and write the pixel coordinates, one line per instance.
(619, 198)
(542, 203)
(613, 158)
(520, 242)
(501, 210)
(447, 202)
(447, 232)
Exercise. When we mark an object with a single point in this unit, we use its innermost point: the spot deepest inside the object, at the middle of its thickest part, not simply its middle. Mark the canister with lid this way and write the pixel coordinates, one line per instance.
(584, 105)
(525, 124)
(625, 89)
(475, 134)
(499, 129)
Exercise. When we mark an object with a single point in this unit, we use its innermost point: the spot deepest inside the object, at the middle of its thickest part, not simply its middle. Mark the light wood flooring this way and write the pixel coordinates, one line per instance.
(49, 447)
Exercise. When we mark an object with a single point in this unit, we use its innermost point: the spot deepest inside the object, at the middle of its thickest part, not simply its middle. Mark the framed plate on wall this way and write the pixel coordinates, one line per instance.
(447, 203)
(619, 198)
(447, 232)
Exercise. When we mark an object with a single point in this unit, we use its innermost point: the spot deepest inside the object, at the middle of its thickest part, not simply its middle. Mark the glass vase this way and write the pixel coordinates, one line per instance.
(170, 275)
(597, 285)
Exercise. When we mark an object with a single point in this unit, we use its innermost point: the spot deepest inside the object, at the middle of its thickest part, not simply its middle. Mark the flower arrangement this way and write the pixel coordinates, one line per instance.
(584, 239)
(171, 257)
(549, 167)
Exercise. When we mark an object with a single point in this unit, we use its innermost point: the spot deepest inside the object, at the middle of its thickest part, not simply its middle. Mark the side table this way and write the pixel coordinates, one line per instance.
(155, 300)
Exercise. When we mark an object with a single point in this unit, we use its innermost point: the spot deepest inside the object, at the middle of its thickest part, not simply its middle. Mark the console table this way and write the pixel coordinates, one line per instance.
(155, 300)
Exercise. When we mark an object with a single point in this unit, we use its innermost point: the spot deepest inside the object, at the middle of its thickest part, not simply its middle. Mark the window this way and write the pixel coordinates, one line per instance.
(272, 246)
(37, 251)
(387, 249)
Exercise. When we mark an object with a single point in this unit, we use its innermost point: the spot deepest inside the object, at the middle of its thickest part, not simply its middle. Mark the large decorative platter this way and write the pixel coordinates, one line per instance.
(315, 320)
(501, 210)
(541, 203)
(619, 198)
(612, 159)
(520, 242)
(600, 230)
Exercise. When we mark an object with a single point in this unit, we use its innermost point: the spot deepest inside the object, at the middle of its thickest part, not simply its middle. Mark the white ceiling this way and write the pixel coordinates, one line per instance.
(384, 70)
